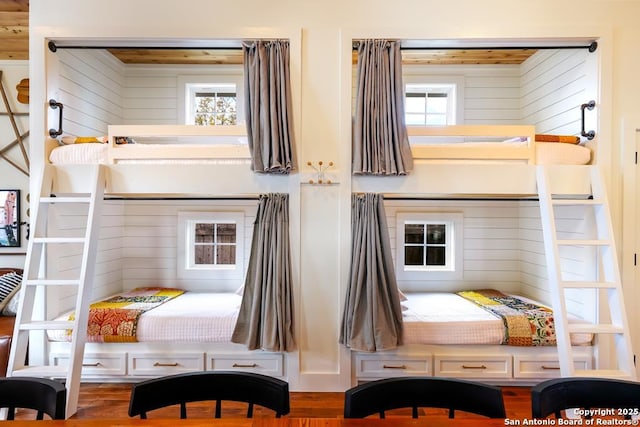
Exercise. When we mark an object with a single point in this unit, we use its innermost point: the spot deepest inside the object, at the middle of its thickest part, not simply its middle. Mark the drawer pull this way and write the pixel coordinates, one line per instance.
(92, 365)
(550, 367)
(165, 364)
(394, 366)
(240, 365)
(473, 367)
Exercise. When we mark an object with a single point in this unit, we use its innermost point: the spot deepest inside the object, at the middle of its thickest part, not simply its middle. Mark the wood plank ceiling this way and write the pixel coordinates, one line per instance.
(14, 44)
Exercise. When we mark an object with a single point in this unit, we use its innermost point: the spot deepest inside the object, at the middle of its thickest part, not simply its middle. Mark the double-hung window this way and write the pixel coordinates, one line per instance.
(212, 100)
(430, 104)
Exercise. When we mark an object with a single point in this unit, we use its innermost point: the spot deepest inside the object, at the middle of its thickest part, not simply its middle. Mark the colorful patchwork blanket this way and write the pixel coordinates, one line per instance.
(526, 324)
(115, 319)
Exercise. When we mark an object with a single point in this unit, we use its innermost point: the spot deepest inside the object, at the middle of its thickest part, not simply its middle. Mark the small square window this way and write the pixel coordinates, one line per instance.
(429, 245)
(210, 244)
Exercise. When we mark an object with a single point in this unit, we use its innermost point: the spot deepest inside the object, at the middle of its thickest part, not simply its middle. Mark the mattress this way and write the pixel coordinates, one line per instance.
(447, 318)
(550, 153)
(190, 317)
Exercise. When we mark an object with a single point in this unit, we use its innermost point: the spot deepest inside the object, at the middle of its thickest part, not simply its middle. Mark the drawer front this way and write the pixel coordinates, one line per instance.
(156, 364)
(95, 363)
(544, 367)
(498, 366)
(271, 364)
(372, 366)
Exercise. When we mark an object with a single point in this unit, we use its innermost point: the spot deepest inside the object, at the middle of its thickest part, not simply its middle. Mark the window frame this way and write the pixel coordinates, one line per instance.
(188, 85)
(186, 268)
(453, 84)
(454, 266)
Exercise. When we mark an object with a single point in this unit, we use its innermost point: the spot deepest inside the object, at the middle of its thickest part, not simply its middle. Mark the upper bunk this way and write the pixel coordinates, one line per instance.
(449, 161)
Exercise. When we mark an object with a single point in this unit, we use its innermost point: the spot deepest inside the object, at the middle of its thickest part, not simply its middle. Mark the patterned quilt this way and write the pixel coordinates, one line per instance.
(526, 324)
(115, 319)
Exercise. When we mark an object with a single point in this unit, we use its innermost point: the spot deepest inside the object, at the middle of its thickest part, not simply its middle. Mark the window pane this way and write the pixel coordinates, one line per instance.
(226, 254)
(436, 234)
(436, 255)
(414, 104)
(226, 233)
(437, 105)
(414, 255)
(203, 254)
(204, 233)
(414, 233)
(414, 119)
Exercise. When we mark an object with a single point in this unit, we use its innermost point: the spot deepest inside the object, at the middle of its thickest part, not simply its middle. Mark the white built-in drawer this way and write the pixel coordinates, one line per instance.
(156, 364)
(95, 363)
(382, 366)
(271, 364)
(544, 366)
(466, 366)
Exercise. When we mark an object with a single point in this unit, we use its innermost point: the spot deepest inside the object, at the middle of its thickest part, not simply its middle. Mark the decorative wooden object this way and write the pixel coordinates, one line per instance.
(320, 170)
(19, 141)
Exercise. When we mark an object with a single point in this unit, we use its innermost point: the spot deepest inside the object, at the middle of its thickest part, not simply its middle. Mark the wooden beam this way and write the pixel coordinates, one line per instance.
(14, 5)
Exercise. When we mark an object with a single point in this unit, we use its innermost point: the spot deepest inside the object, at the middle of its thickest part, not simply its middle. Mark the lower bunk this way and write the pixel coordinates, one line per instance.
(152, 332)
(449, 335)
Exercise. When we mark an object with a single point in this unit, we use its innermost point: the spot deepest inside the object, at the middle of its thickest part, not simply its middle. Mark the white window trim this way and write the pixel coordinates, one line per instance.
(457, 81)
(185, 246)
(455, 222)
(231, 76)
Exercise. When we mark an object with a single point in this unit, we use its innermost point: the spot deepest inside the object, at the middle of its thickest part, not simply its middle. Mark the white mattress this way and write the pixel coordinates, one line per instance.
(79, 154)
(557, 153)
(190, 317)
(447, 318)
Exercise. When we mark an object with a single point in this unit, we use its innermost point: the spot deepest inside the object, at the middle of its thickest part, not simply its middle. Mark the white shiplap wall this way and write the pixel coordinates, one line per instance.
(504, 249)
(554, 85)
(90, 85)
(150, 242)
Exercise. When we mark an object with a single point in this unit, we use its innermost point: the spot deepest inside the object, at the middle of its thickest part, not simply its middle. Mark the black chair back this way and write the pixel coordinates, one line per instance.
(43, 395)
(554, 396)
(180, 389)
(431, 392)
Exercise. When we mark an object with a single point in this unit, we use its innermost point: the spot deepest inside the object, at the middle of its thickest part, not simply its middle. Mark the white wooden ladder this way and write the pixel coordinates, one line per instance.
(607, 286)
(39, 279)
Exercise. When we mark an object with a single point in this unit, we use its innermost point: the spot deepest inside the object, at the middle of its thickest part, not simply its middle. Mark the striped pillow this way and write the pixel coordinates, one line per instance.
(9, 285)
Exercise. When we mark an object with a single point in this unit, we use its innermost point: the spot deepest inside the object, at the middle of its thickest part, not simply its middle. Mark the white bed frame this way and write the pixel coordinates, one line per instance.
(447, 169)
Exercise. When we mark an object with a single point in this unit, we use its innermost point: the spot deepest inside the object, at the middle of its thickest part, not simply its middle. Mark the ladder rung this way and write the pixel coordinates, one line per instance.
(65, 199)
(46, 325)
(59, 240)
(51, 371)
(589, 285)
(584, 242)
(587, 328)
(52, 282)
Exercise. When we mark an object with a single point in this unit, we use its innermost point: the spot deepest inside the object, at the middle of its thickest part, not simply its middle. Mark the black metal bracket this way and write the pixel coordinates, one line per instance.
(588, 106)
(52, 132)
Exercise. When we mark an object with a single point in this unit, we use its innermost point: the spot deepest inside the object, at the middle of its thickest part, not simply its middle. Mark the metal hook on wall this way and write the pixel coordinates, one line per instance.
(589, 106)
(52, 132)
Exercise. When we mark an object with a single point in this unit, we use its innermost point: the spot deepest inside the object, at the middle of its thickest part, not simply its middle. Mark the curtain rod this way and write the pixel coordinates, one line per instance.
(591, 47)
(156, 198)
(53, 47)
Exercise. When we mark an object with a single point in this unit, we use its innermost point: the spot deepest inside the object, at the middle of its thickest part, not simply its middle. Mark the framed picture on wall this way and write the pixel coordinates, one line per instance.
(9, 218)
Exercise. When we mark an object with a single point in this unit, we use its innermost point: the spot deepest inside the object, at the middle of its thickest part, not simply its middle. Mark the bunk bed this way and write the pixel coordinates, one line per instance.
(443, 334)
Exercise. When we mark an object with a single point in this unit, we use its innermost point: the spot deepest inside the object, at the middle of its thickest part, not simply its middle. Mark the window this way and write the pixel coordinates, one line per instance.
(210, 244)
(212, 100)
(430, 104)
(429, 245)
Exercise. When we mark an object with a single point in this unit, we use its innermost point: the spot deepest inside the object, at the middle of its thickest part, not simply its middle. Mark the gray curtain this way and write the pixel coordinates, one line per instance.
(265, 320)
(268, 106)
(380, 141)
(372, 316)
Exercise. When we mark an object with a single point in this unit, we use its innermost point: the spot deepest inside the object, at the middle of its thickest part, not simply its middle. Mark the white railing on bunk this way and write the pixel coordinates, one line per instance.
(202, 148)
(475, 142)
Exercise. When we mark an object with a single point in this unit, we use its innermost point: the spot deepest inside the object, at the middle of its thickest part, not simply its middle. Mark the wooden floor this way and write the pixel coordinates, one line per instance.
(112, 401)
